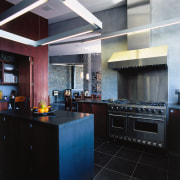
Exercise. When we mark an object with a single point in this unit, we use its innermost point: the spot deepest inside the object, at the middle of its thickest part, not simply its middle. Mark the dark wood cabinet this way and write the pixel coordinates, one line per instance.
(28, 150)
(174, 130)
(3, 106)
(100, 117)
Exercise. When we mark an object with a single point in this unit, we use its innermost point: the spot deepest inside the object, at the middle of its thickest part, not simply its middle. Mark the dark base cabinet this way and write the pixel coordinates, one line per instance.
(100, 117)
(33, 150)
(174, 131)
(28, 150)
(3, 106)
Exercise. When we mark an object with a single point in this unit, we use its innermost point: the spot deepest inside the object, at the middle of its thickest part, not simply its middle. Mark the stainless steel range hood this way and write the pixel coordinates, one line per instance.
(139, 58)
(139, 53)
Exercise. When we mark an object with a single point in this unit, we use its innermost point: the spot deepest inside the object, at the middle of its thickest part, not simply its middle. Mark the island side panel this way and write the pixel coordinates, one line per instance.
(76, 149)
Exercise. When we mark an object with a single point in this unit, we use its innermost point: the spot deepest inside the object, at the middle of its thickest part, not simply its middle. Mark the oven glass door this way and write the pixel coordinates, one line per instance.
(149, 128)
(117, 124)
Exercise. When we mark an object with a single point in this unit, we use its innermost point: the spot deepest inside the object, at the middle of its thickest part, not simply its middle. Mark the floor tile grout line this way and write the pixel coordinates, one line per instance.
(115, 156)
(116, 171)
(138, 162)
(100, 145)
(130, 160)
(106, 164)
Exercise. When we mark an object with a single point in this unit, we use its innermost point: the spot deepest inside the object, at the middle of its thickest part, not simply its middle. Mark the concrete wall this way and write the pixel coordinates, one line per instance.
(78, 84)
(113, 20)
(59, 79)
(163, 10)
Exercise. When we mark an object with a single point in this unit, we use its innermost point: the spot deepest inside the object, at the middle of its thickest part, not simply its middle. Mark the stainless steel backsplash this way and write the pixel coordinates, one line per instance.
(143, 84)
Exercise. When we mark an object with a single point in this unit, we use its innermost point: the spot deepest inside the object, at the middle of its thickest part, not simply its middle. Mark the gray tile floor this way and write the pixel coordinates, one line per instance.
(123, 161)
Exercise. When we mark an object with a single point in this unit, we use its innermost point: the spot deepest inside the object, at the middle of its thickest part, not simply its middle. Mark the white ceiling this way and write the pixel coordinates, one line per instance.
(56, 11)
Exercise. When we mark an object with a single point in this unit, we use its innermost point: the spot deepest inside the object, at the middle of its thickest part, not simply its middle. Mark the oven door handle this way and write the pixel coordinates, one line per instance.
(115, 115)
(146, 118)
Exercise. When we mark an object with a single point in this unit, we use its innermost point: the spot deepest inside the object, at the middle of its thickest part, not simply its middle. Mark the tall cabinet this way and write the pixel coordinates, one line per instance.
(174, 130)
(17, 70)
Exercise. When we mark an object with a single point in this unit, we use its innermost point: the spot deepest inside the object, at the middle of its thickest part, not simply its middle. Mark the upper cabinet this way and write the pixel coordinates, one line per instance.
(8, 69)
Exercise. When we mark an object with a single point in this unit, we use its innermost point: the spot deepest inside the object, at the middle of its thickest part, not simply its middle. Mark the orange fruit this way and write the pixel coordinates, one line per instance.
(41, 110)
(35, 107)
(46, 109)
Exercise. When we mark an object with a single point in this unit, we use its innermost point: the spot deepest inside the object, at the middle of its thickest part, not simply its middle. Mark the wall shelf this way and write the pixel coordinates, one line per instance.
(8, 72)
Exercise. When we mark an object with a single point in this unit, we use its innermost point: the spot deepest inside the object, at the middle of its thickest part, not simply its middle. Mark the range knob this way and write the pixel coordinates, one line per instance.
(125, 108)
(142, 109)
(117, 108)
(153, 110)
(160, 145)
(138, 109)
(111, 108)
(148, 110)
(149, 143)
(130, 108)
(121, 108)
(161, 111)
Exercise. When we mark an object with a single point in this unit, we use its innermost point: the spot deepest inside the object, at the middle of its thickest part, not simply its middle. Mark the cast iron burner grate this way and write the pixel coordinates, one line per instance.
(122, 101)
(151, 103)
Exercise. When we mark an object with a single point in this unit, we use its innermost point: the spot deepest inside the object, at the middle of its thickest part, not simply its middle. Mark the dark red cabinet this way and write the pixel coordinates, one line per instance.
(28, 150)
(174, 130)
(100, 117)
(3, 106)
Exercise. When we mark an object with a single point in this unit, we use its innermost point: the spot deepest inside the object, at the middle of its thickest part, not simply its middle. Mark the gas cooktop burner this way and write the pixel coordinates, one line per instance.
(151, 103)
(158, 104)
(121, 101)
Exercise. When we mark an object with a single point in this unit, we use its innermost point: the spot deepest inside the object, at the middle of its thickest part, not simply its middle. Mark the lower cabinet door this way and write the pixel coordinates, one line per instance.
(45, 152)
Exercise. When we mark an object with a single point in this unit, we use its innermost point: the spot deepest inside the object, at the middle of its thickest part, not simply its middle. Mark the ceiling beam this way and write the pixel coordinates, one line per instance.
(19, 9)
(79, 9)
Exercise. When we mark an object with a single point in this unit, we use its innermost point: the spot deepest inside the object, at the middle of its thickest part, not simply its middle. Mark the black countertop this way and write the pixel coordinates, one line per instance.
(94, 101)
(56, 118)
(173, 106)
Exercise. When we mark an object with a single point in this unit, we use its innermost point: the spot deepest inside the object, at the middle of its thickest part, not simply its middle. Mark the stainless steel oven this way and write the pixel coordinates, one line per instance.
(148, 130)
(117, 125)
(139, 123)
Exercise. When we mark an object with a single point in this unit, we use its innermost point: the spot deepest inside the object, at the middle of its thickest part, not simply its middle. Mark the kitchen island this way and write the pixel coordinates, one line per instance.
(58, 146)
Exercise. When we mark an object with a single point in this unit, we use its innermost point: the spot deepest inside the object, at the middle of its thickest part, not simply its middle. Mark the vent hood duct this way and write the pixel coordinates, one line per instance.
(140, 53)
(138, 58)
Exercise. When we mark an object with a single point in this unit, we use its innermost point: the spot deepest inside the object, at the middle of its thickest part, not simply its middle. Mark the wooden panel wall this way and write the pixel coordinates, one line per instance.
(34, 27)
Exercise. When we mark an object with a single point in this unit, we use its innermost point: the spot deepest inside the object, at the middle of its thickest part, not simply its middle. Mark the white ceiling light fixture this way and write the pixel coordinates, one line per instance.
(66, 35)
(138, 29)
(23, 7)
(17, 38)
(116, 1)
(19, 9)
(79, 9)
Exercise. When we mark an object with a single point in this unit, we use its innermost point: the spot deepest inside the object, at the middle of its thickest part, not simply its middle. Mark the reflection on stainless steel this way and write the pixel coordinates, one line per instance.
(138, 14)
(143, 85)
(154, 56)
(141, 122)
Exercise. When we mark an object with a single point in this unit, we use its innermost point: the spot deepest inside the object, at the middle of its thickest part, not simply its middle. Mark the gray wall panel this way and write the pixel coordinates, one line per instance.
(162, 10)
